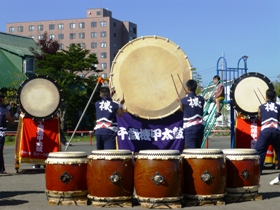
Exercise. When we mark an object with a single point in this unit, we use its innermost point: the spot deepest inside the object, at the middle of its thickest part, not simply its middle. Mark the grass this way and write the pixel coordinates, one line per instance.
(10, 140)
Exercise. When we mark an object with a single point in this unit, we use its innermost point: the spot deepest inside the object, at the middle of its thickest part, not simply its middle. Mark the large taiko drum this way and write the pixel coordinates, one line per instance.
(157, 176)
(142, 73)
(110, 176)
(248, 91)
(204, 174)
(39, 97)
(66, 177)
(243, 172)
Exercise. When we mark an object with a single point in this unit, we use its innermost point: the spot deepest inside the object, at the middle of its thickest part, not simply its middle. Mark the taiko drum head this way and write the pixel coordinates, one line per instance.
(141, 73)
(248, 92)
(39, 97)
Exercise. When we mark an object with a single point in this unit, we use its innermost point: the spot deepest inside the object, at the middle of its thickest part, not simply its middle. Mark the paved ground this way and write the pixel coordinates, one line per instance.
(26, 190)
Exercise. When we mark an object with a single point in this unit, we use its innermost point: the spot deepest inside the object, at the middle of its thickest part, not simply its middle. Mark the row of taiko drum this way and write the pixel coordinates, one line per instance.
(158, 175)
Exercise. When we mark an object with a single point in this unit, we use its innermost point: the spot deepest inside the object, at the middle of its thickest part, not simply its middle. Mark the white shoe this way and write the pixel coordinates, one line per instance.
(275, 181)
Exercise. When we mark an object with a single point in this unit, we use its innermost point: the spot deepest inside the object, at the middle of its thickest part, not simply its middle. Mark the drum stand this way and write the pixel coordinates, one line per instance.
(202, 200)
(249, 193)
(110, 201)
(66, 198)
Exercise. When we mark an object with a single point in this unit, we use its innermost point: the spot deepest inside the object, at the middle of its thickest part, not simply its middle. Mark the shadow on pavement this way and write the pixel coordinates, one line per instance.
(5, 197)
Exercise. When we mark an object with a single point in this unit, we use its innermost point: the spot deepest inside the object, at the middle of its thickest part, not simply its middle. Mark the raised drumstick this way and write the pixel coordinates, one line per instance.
(175, 85)
(181, 83)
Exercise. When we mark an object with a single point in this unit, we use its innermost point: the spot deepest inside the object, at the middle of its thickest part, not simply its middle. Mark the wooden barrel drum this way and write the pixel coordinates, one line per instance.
(66, 177)
(243, 172)
(204, 174)
(110, 176)
(157, 176)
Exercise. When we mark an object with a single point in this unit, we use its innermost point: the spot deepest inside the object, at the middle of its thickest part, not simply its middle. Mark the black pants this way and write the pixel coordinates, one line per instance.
(2, 142)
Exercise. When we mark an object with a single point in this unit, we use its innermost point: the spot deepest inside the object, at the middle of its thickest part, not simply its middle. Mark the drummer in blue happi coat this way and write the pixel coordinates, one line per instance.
(106, 120)
(192, 107)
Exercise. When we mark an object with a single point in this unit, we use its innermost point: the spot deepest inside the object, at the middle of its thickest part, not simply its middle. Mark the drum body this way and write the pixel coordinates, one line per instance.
(243, 171)
(143, 68)
(66, 176)
(204, 174)
(39, 97)
(157, 176)
(249, 87)
(110, 175)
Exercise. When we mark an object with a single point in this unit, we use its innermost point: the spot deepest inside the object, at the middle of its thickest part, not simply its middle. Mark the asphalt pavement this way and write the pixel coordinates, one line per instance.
(26, 189)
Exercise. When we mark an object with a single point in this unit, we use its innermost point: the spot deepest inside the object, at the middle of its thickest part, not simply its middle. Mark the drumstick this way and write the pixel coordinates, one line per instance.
(258, 97)
(181, 83)
(261, 93)
(175, 85)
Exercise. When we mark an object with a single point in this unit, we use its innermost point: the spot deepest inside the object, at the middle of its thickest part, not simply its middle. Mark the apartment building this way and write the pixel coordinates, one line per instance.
(99, 32)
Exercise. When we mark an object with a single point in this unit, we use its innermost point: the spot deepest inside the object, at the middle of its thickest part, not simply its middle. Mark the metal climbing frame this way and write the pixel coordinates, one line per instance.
(227, 75)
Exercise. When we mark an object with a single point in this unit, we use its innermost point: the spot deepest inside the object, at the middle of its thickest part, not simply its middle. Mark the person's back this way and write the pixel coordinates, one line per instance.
(270, 115)
(192, 107)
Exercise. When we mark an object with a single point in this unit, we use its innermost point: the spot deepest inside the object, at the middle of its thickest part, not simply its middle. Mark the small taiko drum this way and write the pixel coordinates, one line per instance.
(243, 172)
(66, 177)
(110, 176)
(204, 174)
(157, 176)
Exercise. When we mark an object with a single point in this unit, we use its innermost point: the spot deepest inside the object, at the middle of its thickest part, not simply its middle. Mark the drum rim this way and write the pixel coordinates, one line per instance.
(27, 114)
(237, 81)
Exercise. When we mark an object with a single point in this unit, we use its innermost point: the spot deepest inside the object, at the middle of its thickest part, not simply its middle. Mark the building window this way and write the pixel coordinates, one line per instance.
(115, 45)
(130, 38)
(103, 65)
(98, 13)
(82, 35)
(130, 29)
(104, 75)
(40, 27)
(31, 28)
(20, 28)
(103, 44)
(134, 30)
(60, 36)
(31, 36)
(51, 36)
(40, 37)
(103, 23)
(83, 45)
(72, 35)
(61, 46)
(11, 29)
(28, 64)
(51, 26)
(60, 26)
(94, 45)
(93, 34)
(72, 25)
(103, 55)
(82, 25)
(93, 24)
(115, 24)
(103, 34)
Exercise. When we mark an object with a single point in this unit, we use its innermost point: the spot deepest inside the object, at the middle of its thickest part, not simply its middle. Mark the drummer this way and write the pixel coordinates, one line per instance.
(106, 121)
(192, 106)
(269, 115)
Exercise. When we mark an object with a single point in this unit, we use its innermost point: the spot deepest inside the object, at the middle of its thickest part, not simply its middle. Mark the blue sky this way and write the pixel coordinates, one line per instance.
(204, 29)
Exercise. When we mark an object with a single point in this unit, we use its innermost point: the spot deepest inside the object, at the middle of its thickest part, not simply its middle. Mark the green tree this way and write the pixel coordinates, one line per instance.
(197, 77)
(67, 67)
(276, 85)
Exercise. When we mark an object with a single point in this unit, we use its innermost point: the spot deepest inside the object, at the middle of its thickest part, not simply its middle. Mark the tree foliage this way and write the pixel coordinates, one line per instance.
(197, 77)
(276, 85)
(67, 67)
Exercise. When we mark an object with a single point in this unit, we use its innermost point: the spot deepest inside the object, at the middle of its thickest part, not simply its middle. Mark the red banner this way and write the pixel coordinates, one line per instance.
(37, 139)
(246, 136)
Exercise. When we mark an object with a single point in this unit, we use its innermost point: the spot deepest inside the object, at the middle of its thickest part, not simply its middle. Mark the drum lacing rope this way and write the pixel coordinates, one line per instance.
(109, 202)
(62, 197)
(251, 194)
